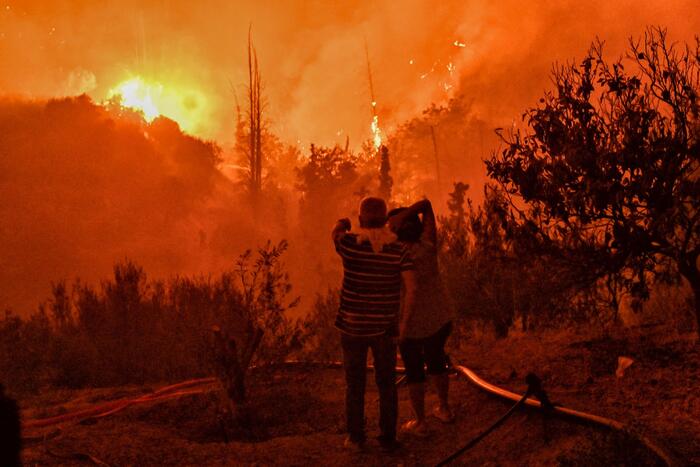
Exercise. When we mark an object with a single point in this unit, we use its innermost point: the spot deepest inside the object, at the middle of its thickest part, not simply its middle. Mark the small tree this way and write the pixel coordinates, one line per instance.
(258, 331)
(320, 335)
(609, 169)
(325, 182)
(455, 225)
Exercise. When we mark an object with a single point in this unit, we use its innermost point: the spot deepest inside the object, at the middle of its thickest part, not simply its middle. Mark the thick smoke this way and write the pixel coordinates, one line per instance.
(312, 53)
(80, 189)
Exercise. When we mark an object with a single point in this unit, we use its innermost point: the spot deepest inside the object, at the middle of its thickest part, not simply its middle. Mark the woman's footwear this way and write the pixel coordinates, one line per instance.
(444, 415)
(352, 445)
(415, 428)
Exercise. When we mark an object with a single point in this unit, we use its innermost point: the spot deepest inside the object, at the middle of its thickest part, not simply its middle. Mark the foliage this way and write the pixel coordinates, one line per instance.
(386, 182)
(265, 288)
(328, 184)
(608, 170)
(320, 335)
(496, 279)
(442, 144)
(325, 170)
(134, 330)
(455, 230)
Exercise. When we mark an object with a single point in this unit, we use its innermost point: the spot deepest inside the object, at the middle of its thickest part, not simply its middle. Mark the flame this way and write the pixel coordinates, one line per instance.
(136, 94)
(185, 105)
(376, 132)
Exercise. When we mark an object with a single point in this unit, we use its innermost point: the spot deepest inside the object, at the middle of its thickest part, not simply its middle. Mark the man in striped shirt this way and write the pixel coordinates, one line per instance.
(375, 265)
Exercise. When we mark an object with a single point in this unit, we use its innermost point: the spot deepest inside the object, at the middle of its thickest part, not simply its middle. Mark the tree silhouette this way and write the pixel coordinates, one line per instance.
(609, 167)
(325, 182)
(386, 182)
(250, 126)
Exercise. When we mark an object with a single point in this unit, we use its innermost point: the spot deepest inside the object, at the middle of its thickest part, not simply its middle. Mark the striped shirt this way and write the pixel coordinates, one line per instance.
(371, 294)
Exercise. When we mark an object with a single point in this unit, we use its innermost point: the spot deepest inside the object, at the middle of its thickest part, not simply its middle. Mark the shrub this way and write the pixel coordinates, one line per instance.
(322, 342)
(132, 330)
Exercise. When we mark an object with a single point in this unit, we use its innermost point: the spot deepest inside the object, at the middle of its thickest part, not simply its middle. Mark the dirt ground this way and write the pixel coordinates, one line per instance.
(299, 413)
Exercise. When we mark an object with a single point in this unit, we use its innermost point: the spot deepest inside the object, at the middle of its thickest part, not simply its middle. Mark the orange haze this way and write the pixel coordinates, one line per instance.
(312, 52)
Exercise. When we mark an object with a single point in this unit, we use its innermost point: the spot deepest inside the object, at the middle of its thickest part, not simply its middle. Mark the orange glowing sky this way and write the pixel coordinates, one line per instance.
(495, 54)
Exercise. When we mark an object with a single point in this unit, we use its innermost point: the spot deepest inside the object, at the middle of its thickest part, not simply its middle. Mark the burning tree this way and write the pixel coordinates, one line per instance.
(609, 169)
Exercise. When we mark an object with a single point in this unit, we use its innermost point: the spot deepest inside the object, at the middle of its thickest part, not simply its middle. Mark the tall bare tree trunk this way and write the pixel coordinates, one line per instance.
(254, 120)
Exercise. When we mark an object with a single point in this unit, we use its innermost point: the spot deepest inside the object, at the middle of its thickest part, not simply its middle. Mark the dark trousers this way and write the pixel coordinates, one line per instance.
(428, 351)
(355, 364)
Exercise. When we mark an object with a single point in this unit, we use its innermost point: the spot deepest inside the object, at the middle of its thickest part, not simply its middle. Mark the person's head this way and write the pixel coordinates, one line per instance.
(372, 213)
(410, 229)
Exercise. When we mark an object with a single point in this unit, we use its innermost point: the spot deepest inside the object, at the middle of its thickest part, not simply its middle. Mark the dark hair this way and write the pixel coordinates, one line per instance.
(372, 212)
(410, 229)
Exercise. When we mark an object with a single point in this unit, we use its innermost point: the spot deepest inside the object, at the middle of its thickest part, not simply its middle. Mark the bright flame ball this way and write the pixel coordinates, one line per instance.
(185, 105)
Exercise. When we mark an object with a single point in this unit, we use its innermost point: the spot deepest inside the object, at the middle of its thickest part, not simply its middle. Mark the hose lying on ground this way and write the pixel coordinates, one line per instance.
(570, 413)
(484, 433)
(164, 393)
(177, 390)
(109, 408)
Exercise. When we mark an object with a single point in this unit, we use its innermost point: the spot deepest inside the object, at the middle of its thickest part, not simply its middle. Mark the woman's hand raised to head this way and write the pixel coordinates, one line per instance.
(395, 222)
(423, 206)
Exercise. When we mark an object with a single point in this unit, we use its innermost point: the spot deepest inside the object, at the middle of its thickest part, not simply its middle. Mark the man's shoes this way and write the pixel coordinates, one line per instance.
(353, 446)
(388, 445)
(415, 428)
(444, 415)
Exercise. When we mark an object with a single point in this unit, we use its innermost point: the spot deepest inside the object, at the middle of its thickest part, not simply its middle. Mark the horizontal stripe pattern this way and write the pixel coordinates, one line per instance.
(371, 294)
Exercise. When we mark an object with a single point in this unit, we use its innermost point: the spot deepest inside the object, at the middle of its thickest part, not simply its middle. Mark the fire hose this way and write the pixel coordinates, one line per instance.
(534, 389)
(484, 433)
(109, 408)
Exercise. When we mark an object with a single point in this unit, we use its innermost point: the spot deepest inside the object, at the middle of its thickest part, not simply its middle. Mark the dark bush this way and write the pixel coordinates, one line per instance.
(132, 330)
(321, 338)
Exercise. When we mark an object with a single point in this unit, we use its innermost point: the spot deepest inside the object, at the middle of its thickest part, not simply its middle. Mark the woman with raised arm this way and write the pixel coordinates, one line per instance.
(424, 329)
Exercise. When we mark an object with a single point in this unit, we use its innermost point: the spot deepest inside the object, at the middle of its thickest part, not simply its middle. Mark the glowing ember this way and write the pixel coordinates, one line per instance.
(459, 44)
(184, 105)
